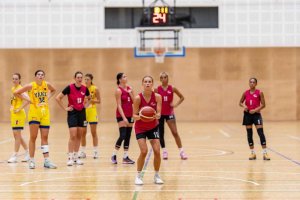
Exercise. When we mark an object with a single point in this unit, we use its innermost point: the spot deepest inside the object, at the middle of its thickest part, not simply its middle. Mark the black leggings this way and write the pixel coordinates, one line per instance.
(161, 129)
(125, 134)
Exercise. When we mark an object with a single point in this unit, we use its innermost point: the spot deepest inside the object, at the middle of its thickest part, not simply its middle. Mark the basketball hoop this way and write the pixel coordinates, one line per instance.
(159, 53)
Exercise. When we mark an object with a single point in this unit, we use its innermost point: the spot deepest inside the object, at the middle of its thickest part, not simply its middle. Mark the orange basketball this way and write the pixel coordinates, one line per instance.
(147, 114)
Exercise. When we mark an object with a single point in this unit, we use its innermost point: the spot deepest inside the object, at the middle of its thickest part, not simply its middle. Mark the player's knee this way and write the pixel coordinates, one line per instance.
(144, 152)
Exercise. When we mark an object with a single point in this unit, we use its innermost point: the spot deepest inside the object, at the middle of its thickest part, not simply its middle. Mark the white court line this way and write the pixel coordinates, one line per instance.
(212, 177)
(224, 133)
(294, 137)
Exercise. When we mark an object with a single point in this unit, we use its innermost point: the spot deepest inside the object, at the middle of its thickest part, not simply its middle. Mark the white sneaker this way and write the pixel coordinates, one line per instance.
(82, 154)
(70, 162)
(31, 164)
(26, 158)
(96, 155)
(12, 159)
(78, 162)
(138, 180)
(157, 179)
(48, 164)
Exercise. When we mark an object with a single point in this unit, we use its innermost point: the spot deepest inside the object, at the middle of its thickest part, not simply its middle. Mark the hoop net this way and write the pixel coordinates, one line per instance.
(159, 53)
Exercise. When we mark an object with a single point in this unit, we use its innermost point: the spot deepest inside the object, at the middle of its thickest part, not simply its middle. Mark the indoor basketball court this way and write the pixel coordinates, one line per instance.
(213, 52)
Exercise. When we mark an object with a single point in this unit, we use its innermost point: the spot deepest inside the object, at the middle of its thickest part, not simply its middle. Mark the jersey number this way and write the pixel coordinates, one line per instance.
(165, 98)
(156, 134)
(250, 102)
(129, 99)
(42, 99)
(79, 100)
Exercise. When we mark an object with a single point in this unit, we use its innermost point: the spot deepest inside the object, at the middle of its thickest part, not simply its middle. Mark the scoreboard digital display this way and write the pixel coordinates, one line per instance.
(160, 16)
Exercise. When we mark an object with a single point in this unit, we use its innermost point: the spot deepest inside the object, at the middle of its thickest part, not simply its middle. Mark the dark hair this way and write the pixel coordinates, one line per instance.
(119, 76)
(37, 71)
(148, 77)
(253, 79)
(78, 72)
(91, 77)
(19, 76)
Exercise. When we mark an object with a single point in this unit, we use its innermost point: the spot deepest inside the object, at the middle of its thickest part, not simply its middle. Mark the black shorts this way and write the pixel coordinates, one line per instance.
(129, 119)
(250, 119)
(77, 118)
(151, 134)
(167, 117)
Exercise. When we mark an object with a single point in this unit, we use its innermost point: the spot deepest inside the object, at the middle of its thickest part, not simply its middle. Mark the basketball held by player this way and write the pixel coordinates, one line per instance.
(40, 92)
(253, 101)
(124, 99)
(76, 93)
(17, 119)
(167, 114)
(147, 129)
(91, 117)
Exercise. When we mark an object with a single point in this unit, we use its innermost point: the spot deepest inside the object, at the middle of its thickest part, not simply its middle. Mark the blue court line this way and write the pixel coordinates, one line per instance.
(290, 159)
(143, 172)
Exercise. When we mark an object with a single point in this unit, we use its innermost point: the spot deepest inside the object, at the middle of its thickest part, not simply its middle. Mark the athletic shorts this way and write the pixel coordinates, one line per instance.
(250, 119)
(77, 118)
(151, 134)
(17, 120)
(167, 117)
(129, 119)
(39, 115)
(91, 115)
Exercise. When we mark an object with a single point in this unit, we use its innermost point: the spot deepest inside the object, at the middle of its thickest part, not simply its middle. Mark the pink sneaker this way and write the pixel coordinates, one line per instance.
(165, 155)
(183, 156)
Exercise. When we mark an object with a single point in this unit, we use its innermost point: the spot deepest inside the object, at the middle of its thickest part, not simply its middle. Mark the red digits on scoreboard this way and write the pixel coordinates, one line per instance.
(157, 17)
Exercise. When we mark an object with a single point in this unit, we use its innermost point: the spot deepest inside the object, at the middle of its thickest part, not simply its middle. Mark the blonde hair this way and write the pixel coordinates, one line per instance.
(163, 73)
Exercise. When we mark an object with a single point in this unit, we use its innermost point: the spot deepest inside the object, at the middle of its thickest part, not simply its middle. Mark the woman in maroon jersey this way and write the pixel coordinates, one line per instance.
(76, 115)
(148, 130)
(253, 101)
(167, 114)
(124, 96)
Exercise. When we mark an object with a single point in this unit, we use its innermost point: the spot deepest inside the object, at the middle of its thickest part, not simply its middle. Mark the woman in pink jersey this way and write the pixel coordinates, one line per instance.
(167, 114)
(253, 101)
(124, 96)
(148, 130)
(76, 115)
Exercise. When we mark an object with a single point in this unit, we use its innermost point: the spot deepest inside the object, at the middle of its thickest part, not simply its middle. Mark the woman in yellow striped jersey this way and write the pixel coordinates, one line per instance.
(91, 117)
(17, 119)
(40, 92)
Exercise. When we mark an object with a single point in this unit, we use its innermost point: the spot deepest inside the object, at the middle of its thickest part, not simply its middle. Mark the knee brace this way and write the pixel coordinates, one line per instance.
(250, 136)
(127, 138)
(261, 135)
(122, 136)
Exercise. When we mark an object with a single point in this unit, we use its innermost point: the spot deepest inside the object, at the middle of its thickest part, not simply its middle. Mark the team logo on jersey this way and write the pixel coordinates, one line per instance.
(255, 95)
(169, 92)
(82, 93)
(153, 104)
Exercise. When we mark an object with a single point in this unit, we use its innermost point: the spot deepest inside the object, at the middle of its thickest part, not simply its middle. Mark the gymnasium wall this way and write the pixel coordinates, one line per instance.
(211, 79)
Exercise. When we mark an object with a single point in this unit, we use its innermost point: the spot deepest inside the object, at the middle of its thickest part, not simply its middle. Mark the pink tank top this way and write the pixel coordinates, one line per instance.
(252, 101)
(141, 126)
(126, 103)
(167, 99)
(76, 97)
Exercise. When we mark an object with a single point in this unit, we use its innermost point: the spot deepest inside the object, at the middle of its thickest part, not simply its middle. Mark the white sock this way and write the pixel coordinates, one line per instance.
(114, 152)
(125, 154)
(32, 159)
(180, 149)
(47, 159)
(82, 148)
(70, 156)
(156, 173)
(75, 154)
(164, 149)
(252, 151)
(14, 154)
(139, 174)
(264, 150)
(95, 148)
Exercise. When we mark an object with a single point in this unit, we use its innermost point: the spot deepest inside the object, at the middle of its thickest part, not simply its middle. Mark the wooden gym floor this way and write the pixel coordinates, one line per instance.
(217, 168)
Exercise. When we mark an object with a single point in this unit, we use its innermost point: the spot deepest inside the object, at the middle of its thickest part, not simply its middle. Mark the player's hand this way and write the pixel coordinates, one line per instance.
(70, 108)
(246, 109)
(252, 111)
(157, 116)
(126, 121)
(16, 110)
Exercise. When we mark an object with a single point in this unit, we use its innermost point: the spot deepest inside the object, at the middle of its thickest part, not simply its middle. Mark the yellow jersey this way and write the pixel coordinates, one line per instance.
(39, 94)
(92, 90)
(15, 102)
